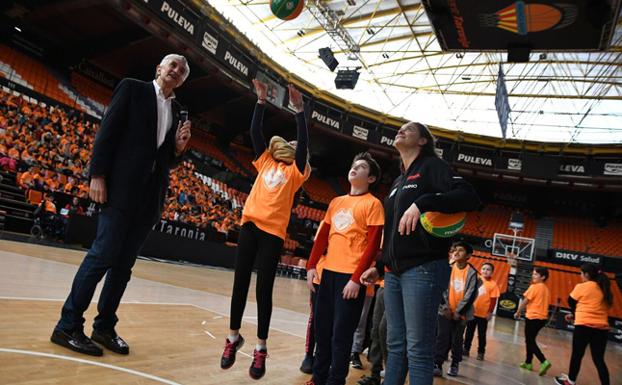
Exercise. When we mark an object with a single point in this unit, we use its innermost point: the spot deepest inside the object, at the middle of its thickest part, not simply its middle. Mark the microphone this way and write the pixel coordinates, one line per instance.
(183, 111)
(183, 114)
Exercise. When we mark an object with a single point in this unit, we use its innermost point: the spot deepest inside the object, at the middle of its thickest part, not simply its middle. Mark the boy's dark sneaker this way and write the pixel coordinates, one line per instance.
(307, 364)
(453, 370)
(370, 380)
(355, 361)
(231, 348)
(438, 370)
(480, 356)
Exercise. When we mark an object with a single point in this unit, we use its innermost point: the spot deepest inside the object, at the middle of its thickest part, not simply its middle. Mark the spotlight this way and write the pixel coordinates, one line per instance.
(327, 56)
(346, 79)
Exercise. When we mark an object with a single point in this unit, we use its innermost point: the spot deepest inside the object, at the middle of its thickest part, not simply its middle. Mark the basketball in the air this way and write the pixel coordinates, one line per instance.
(442, 225)
(286, 9)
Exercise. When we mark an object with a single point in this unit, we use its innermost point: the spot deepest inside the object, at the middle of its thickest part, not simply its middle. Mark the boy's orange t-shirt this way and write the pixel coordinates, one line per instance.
(349, 217)
(488, 290)
(457, 282)
(591, 309)
(539, 298)
(270, 201)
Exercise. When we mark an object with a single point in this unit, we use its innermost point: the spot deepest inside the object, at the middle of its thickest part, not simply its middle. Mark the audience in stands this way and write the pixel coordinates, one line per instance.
(53, 148)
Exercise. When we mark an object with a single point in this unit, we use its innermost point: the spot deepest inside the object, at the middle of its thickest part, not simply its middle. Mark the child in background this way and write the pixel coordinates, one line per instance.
(590, 302)
(536, 299)
(484, 305)
(456, 309)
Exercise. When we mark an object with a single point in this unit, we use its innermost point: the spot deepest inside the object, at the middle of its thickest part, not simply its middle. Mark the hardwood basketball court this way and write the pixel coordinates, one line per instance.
(175, 319)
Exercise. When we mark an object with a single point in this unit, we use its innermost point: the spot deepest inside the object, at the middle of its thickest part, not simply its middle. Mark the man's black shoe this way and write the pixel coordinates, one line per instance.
(76, 341)
(111, 341)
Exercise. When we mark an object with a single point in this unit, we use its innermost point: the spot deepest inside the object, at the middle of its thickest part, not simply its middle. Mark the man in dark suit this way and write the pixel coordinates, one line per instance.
(134, 149)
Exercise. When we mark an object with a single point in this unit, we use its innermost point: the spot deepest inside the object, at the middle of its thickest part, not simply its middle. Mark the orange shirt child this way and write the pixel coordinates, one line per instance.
(346, 235)
(539, 296)
(592, 311)
(270, 201)
(487, 295)
(457, 284)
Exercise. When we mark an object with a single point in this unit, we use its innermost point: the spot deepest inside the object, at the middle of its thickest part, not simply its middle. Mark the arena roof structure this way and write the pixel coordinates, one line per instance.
(567, 97)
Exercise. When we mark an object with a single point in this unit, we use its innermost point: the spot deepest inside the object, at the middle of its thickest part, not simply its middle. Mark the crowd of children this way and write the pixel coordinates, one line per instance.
(469, 304)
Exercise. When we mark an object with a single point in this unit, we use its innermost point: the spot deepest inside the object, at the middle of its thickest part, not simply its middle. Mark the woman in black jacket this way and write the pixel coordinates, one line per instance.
(416, 265)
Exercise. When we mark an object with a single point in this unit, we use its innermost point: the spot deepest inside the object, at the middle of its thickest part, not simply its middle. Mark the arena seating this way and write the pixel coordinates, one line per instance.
(494, 219)
(319, 190)
(91, 89)
(32, 74)
(582, 235)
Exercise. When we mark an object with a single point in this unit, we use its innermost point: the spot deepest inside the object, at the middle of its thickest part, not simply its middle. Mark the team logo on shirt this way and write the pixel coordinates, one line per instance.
(343, 219)
(458, 285)
(481, 291)
(273, 178)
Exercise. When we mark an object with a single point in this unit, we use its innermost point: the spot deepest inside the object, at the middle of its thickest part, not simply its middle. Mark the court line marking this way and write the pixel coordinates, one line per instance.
(89, 362)
(209, 334)
(160, 303)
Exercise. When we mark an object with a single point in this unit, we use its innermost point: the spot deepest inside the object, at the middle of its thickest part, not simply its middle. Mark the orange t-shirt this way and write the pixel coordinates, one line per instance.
(50, 207)
(348, 217)
(270, 201)
(591, 308)
(539, 297)
(13, 153)
(457, 282)
(488, 290)
(25, 178)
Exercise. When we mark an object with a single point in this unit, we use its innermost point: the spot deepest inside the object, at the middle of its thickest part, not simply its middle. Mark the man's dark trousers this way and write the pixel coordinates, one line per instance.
(120, 236)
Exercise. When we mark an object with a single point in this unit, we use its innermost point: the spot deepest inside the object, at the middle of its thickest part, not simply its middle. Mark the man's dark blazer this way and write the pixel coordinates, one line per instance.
(125, 152)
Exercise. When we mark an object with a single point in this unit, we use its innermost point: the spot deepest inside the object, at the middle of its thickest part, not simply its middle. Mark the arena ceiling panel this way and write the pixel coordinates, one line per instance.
(568, 97)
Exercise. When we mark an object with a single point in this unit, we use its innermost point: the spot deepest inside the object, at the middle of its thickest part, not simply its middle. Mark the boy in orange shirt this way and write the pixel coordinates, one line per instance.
(282, 169)
(351, 235)
(536, 299)
(590, 302)
(456, 309)
(484, 305)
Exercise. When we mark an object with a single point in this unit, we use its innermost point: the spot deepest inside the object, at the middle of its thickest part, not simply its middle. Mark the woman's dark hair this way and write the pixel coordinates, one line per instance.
(492, 267)
(594, 273)
(429, 149)
(543, 271)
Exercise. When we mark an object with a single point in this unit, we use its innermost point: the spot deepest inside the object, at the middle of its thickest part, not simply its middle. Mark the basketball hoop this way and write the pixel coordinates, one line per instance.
(512, 259)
